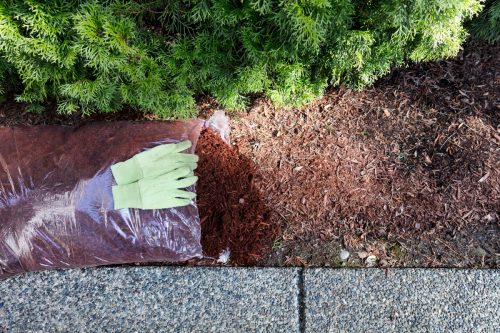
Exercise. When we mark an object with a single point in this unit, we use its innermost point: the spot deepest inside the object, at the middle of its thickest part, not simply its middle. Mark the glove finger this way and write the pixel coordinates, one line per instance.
(183, 157)
(166, 149)
(170, 166)
(157, 152)
(186, 182)
(192, 166)
(183, 171)
(168, 163)
(174, 161)
(168, 180)
(166, 203)
(172, 203)
(181, 194)
(181, 146)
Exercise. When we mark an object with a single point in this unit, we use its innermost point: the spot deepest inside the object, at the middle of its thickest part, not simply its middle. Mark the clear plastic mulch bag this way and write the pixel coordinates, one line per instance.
(56, 206)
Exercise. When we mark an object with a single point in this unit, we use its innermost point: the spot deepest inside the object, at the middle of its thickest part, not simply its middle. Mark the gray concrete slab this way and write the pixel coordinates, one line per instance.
(151, 299)
(402, 300)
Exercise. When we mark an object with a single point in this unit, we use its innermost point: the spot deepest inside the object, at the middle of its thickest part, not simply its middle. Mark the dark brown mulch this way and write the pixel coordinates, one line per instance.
(232, 212)
(407, 171)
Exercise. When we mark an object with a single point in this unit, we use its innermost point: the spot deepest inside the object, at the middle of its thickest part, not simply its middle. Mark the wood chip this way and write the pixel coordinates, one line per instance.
(483, 178)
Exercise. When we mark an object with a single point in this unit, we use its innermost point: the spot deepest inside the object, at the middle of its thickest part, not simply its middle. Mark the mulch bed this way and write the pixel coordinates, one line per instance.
(232, 212)
(407, 172)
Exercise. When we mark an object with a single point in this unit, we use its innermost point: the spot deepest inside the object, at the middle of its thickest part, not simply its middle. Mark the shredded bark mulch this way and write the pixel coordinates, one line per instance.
(403, 174)
(406, 173)
(232, 212)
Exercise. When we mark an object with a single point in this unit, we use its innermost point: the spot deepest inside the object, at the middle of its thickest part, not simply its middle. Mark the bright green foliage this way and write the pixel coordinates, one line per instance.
(487, 25)
(91, 59)
(157, 55)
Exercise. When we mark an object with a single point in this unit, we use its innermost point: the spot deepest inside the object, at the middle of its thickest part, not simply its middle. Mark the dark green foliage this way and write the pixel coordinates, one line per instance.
(156, 55)
(487, 25)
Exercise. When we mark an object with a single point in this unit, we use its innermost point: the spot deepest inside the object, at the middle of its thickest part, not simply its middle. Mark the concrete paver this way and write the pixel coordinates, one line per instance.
(402, 300)
(202, 299)
(151, 299)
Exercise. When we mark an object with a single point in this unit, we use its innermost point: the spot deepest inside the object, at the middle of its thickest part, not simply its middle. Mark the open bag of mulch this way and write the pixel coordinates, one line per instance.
(56, 204)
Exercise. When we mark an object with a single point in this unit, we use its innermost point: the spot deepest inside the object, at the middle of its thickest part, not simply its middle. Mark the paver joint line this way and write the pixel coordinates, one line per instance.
(301, 304)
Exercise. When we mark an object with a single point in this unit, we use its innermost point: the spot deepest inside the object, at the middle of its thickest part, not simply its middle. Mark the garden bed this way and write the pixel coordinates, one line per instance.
(406, 173)
(234, 218)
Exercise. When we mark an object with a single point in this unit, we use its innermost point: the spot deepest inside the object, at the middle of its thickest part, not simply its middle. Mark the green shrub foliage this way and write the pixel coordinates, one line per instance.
(157, 55)
(487, 25)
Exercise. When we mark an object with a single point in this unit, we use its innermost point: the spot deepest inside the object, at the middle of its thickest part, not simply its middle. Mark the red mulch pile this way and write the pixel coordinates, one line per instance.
(407, 171)
(232, 212)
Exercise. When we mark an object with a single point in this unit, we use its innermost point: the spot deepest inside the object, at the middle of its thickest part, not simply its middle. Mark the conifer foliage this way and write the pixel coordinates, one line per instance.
(487, 25)
(156, 56)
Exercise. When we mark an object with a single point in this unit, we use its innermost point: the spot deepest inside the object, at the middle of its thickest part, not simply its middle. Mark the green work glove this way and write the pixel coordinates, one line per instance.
(154, 162)
(157, 193)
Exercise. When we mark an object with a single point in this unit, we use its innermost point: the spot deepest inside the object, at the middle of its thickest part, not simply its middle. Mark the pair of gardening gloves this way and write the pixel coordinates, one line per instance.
(156, 178)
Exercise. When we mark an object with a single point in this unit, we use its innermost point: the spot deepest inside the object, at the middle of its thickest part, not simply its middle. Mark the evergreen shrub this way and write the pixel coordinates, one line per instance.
(156, 56)
(487, 25)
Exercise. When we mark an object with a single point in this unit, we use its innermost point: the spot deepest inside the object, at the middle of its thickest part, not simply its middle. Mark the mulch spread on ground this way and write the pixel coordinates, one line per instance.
(232, 212)
(406, 173)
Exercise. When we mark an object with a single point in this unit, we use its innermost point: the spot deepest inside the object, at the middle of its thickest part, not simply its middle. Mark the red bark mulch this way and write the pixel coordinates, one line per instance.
(232, 211)
(407, 171)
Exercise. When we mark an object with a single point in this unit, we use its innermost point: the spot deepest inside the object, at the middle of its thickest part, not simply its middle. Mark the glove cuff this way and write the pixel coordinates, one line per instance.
(126, 172)
(127, 196)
